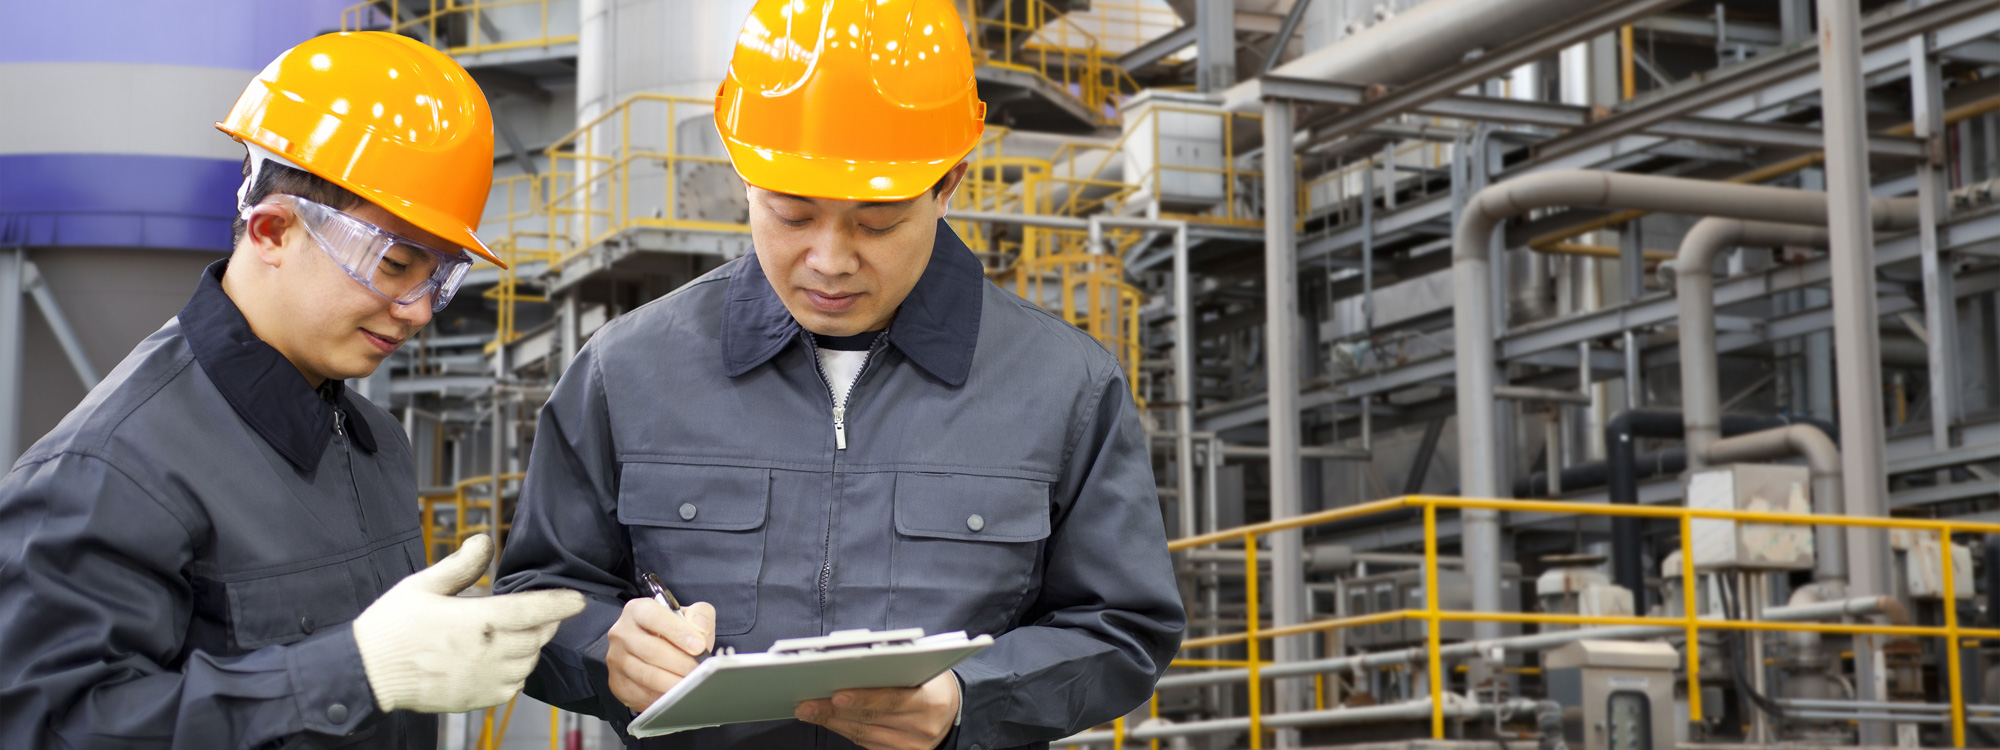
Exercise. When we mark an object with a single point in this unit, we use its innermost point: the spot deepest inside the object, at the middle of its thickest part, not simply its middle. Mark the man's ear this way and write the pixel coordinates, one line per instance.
(952, 179)
(268, 232)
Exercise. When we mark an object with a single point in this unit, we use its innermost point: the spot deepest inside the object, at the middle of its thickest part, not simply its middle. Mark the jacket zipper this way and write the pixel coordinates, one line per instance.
(360, 509)
(839, 442)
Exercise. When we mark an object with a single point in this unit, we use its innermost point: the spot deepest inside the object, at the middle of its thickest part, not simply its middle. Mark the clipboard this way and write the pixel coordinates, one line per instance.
(732, 688)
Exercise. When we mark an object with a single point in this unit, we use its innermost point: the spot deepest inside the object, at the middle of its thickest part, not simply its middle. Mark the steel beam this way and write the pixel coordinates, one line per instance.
(1757, 76)
(45, 300)
(1159, 48)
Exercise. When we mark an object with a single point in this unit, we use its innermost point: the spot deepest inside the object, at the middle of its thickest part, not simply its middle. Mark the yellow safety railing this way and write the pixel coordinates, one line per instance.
(1038, 38)
(1124, 26)
(524, 238)
(463, 27)
(595, 166)
(1690, 622)
(442, 541)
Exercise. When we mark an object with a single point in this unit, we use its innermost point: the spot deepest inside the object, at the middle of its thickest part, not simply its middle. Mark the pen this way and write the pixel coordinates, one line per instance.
(662, 595)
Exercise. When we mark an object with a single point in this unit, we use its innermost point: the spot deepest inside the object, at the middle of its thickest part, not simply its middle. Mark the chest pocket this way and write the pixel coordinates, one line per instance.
(967, 550)
(701, 530)
(284, 607)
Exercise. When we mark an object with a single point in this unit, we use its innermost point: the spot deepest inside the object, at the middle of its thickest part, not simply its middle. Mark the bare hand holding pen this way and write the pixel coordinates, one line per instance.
(655, 644)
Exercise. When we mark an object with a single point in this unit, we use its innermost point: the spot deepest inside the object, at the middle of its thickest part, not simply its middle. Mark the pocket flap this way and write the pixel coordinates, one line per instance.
(288, 607)
(688, 496)
(972, 508)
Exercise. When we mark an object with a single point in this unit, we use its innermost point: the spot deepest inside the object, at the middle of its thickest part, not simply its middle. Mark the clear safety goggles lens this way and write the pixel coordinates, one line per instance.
(390, 264)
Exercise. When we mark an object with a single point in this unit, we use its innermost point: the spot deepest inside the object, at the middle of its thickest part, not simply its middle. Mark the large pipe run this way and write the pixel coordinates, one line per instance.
(1410, 711)
(1428, 37)
(1472, 279)
(1694, 285)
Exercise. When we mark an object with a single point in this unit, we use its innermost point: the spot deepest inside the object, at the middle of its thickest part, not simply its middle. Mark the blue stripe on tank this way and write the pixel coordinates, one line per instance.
(117, 200)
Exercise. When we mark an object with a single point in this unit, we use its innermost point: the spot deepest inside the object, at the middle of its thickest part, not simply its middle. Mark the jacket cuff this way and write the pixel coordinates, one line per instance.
(983, 699)
(329, 686)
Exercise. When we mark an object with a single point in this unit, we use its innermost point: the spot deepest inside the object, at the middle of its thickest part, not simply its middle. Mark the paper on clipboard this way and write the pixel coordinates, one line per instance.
(736, 688)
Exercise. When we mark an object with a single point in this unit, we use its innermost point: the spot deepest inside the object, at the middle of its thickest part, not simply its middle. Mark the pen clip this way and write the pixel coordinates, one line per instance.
(660, 592)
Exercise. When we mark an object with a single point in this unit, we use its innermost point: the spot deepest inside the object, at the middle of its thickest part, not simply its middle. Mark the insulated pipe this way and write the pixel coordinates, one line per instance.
(1829, 542)
(1694, 285)
(1858, 606)
(1428, 37)
(1472, 279)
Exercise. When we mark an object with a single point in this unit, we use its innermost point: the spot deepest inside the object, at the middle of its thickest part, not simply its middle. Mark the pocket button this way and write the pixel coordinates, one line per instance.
(687, 511)
(306, 624)
(975, 522)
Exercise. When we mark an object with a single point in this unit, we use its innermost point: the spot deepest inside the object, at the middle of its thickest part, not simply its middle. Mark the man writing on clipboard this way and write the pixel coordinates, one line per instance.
(851, 428)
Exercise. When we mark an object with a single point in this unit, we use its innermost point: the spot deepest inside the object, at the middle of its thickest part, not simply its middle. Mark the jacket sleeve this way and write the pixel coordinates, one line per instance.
(566, 535)
(1108, 617)
(94, 605)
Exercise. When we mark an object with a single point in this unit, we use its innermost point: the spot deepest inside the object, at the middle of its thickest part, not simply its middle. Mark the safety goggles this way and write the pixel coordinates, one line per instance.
(396, 267)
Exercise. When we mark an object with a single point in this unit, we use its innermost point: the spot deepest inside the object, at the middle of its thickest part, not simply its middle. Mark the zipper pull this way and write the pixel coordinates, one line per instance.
(840, 428)
(337, 428)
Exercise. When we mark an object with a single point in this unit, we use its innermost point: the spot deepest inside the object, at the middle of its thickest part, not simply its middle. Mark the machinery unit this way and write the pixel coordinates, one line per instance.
(1616, 695)
(1404, 590)
(1174, 152)
(1576, 585)
(1748, 545)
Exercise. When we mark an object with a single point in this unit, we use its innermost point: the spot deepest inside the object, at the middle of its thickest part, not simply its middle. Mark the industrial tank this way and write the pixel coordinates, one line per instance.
(115, 187)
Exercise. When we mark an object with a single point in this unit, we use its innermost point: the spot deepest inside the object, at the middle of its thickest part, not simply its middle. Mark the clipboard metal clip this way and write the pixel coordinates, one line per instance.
(845, 640)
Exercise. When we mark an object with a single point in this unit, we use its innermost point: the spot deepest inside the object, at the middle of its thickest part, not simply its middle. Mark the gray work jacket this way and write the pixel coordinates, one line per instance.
(995, 480)
(181, 557)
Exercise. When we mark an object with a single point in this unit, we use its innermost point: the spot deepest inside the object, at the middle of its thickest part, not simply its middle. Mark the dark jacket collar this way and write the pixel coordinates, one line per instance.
(259, 383)
(936, 327)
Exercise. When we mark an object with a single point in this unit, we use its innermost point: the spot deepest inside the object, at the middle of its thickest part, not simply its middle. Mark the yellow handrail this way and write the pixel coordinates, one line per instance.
(1046, 42)
(1690, 620)
(469, 20)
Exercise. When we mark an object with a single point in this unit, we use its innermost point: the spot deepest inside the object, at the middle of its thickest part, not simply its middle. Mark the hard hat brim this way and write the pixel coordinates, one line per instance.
(835, 179)
(428, 219)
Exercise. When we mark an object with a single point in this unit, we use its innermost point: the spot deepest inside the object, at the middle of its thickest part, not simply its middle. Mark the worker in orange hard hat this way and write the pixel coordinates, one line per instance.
(863, 432)
(217, 548)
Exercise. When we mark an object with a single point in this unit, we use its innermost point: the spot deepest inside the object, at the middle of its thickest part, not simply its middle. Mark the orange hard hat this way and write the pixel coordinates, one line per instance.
(850, 99)
(391, 120)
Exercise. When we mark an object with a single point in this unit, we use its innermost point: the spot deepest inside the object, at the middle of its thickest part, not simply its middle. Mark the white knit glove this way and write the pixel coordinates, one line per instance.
(426, 649)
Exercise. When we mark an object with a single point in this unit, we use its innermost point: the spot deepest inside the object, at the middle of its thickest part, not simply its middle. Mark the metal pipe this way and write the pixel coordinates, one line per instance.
(1184, 359)
(1422, 39)
(1694, 286)
(1830, 560)
(1281, 376)
(1332, 452)
(1856, 330)
(1420, 709)
(1865, 605)
(1472, 278)
(12, 331)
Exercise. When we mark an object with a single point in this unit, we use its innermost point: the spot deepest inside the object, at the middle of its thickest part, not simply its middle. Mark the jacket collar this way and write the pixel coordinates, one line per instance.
(936, 327)
(260, 384)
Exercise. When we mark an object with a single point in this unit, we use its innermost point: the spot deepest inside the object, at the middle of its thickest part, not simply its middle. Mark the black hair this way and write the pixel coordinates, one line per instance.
(278, 178)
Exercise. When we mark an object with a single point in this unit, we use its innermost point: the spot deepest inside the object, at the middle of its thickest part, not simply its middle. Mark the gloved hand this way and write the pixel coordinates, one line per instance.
(426, 649)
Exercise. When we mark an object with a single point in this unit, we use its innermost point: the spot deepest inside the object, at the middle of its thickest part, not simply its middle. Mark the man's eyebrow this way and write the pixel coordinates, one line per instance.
(889, 204)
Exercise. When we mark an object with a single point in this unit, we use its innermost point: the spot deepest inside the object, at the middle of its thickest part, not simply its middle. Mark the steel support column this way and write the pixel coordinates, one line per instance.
(1857, 339)
(1184, 364)
(12, 261)
(1940, 304)
(1215, 45)
(1281, 373)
